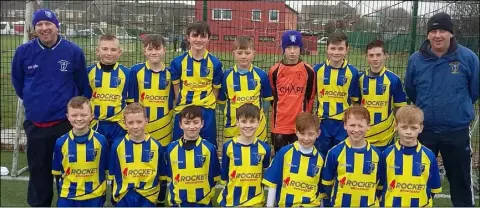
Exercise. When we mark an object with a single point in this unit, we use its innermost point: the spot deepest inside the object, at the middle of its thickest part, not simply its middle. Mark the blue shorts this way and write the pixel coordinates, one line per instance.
(134, 199)
(111, 130)
(95, 202)
(209, 130)
(332, 133)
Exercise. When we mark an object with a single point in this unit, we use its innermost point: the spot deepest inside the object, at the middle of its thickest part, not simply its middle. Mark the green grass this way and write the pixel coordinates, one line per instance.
(13, 193)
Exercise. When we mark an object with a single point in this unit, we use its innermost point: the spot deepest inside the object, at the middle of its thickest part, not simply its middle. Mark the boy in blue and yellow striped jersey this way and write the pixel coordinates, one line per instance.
(244, 159)
(293, 177)
(107, 89)
(137, 163)
(192, 163)
(80, 160)
(337, 89)
(411, 177)
(382, 94)
(197, 77)
(151, 86)
(244, 83)
(353, 167)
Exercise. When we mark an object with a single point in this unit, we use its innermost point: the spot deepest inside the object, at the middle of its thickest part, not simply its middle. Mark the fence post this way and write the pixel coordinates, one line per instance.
(413, 34)
(205, 10)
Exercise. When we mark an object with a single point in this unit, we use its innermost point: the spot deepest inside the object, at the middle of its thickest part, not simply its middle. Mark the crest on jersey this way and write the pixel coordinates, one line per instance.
(202, 159)
(315, 169)
(151, 155)
(118, 81)
(421, 167)
(94, 152)
(371, 166)
(63, 65)
(253, 82)
(293, 38)
(206, 70)
(384, 88)
(167, 82)
(454, 67)
(343, 81)
(258, 157)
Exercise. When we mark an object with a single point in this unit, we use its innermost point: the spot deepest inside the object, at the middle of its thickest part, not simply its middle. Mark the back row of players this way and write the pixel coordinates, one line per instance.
(177, 103)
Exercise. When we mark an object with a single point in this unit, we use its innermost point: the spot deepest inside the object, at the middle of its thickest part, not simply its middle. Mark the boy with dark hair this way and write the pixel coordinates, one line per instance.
(192, 163)
(136, 163)
(293, 87)
(293, 177)
(196, 77)
(107, 89)
(382, 94)
(244, 83)
(353, 167)
(337, 89)
(244, 160)
(411, 176)
(80, 160)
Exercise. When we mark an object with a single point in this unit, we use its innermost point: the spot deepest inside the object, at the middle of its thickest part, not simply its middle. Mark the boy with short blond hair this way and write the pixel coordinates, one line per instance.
(353, 167)
(244, 159)
(80, 160)
(337, 89)
(107, 89)
(411, 176)
(192, 165)
(293, 177)
(136, 163)
(244, 83)
(293, 87)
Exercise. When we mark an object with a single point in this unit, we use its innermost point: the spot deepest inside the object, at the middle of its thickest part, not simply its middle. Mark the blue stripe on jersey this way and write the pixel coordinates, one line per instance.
(146, 151)
(253, 155)
(251, 191)
(199, 193)
(88, 186)
(129, 151)
(414, 202)
(96, 110)
(346, 199)
(114, 78)
(142, 184)
(181, 157)
(327, 72)
(398, 162)
(110, 111)
(147, 111)
(189, 97)
(198, 154)
(72, 190)
(90, 154)
(236, 83)
(326, 108)
(160, 112)
(341, 77)
(250, 78)
(397, 201)
(295, 160)
(366, 86)
(379, 86)
(367, 156)
(182, 193)
(340, 107)
(147, 79)
(189, 67)
(237, 191)
(289, 200)
(363, 200)
(312, 165)
(98, 78)
(228, 121)
(72, 151)
(377, 118)
(162, 83)
(417, 158)
(305, 200)
(237, 154)
(350, 159)
(203, 94)
(130, 186)
(204, 71)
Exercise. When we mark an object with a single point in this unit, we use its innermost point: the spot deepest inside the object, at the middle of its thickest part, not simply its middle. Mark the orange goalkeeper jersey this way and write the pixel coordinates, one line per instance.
(293, 92)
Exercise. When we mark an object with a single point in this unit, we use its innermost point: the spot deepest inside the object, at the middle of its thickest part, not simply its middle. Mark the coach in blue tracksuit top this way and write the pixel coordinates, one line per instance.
(442, 79)
(46, 72)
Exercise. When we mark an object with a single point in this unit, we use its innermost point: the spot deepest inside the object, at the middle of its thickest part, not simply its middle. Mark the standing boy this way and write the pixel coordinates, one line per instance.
(244, 159)
(293, 88)
(192, 163)
(136, 163)
(382, 94)
(107, 89)
(196, 78)
(293, 177)
(80, 160)
(244, 83)
(353, 167)
(412, 177)
(337, 89)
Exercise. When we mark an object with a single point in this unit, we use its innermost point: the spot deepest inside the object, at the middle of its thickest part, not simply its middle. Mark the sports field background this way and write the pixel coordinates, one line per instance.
(391, 21)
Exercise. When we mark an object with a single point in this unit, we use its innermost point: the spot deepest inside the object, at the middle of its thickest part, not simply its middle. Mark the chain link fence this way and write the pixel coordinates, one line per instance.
(401, 24)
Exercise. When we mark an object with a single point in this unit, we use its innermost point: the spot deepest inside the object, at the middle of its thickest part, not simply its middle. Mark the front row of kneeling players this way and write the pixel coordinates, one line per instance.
(353, 173)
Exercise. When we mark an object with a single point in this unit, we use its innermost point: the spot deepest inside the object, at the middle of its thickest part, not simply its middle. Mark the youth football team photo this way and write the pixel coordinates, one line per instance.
(297, 134)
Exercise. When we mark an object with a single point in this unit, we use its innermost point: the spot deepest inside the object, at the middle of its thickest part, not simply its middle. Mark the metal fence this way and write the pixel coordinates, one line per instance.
(401, 24)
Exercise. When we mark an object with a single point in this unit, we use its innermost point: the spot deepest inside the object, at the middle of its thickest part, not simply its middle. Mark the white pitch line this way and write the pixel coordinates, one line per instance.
(218, 186)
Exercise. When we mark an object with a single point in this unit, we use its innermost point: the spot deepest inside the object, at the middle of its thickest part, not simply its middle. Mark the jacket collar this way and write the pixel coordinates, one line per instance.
(427, 53)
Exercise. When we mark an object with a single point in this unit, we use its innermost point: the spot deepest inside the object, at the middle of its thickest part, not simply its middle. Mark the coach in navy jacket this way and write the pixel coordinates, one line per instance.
(442, 79)
(46, 73)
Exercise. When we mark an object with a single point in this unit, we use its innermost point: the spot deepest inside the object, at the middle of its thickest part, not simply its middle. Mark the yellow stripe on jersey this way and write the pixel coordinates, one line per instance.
(380, 95)
(336, 89)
